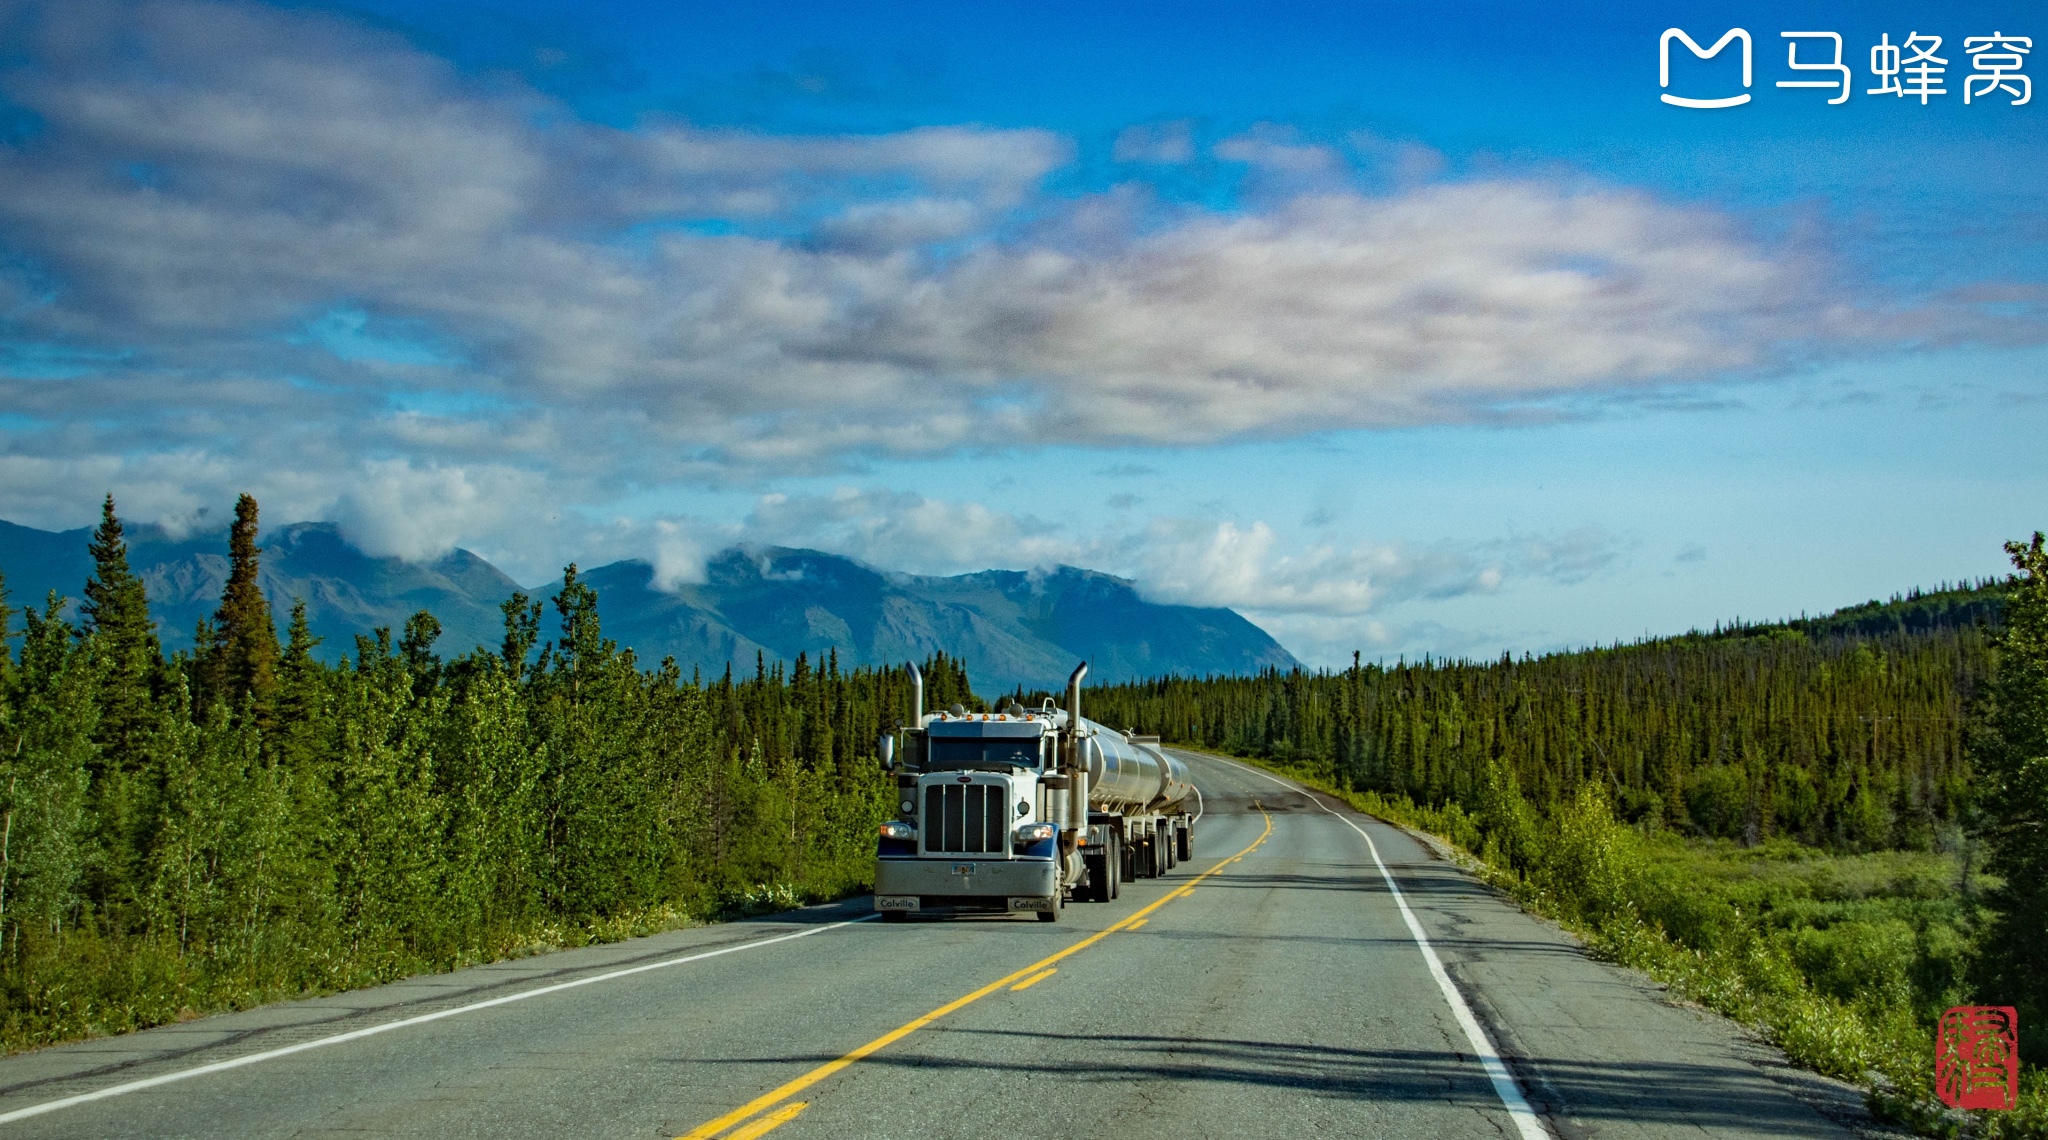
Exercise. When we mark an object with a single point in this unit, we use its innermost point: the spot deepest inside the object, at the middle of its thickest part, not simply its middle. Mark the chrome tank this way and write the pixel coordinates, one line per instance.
(1129, 777)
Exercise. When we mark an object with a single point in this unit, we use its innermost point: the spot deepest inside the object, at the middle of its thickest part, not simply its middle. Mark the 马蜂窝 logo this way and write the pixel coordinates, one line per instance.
(1909, 69)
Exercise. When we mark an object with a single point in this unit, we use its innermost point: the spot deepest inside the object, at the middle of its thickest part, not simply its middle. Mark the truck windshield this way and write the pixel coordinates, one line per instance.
(960, 753)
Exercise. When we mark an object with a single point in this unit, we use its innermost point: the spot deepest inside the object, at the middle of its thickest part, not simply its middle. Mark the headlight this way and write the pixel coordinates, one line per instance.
(897, 829)
(1032, 833)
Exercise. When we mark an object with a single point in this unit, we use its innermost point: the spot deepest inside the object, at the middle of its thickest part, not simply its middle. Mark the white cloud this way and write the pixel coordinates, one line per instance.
(1222, 564)
(1245, 566)
(1170, 143)
(1341, 310)
(393, 508)
(665, 303)
(1205, 563)
(1279, 150)
(900, 530)
(679, 556)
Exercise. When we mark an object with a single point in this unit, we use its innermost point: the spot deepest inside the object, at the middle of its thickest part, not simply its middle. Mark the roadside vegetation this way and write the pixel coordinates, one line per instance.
(244, 823)
(1829, 830)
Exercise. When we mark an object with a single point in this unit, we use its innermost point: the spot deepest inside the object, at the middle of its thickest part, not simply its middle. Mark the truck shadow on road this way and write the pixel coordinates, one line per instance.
(1646, 1091)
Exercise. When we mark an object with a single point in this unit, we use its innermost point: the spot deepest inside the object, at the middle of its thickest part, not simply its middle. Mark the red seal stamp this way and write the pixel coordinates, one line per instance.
(1977, 1057)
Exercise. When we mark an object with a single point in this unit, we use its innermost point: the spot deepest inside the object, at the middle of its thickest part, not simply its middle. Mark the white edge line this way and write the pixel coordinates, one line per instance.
(1200, 807)
(1511, 1098)
(373, 1030)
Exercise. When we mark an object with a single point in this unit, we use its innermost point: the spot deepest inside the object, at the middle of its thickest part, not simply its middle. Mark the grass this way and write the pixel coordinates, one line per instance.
(1843, 961)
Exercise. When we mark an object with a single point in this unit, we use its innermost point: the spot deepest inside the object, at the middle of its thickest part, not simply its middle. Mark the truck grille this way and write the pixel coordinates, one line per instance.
(966, 819)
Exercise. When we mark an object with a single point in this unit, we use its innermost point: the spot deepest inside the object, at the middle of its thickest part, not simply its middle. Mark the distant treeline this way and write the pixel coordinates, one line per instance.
(1845, 731)
(1981, 604)
(243, 822)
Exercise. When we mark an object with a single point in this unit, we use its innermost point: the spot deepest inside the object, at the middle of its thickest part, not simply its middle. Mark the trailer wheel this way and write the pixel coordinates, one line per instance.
(1115, 862)
(1185, 840)
(1168, 846)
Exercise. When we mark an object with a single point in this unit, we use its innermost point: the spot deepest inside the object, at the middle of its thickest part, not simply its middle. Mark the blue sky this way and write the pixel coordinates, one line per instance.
(1422, 329)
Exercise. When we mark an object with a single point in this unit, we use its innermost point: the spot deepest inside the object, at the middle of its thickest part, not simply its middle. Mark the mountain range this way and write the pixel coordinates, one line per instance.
(1010, 628)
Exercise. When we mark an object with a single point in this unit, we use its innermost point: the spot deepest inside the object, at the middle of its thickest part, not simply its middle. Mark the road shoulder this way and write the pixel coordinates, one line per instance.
(1600, 1049)
(63, 1070)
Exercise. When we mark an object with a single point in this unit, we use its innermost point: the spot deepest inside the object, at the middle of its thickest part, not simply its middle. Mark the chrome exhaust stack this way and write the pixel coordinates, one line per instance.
(1077, 774)
(916, 695)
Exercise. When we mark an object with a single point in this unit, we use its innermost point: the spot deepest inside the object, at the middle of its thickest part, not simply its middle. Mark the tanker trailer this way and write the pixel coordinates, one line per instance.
(1024, 810)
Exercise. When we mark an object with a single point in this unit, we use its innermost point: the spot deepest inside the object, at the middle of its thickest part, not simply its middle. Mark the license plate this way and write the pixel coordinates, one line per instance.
(963, 868)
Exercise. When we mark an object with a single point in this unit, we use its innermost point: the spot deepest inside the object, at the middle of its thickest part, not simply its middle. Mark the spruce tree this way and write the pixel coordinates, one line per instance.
(6, 658)
(245, 637)
(2010, 755)
(116, 613)
(522, 631)
(422, 629)
(299, 694)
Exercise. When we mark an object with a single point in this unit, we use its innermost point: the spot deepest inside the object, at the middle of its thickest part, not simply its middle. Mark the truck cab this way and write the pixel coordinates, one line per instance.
(972, 831)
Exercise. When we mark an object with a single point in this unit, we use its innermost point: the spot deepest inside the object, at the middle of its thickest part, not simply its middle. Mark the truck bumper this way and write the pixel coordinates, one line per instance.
(966, 884)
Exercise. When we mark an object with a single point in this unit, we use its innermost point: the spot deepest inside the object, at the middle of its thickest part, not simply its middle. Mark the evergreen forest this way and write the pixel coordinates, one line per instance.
(1847, 740)
(242, 822)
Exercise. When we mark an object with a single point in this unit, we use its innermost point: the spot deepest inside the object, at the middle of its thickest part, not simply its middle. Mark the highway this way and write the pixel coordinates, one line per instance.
(1270, 986)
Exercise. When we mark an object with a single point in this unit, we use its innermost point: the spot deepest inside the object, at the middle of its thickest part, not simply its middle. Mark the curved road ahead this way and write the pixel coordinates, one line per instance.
(1284, 994)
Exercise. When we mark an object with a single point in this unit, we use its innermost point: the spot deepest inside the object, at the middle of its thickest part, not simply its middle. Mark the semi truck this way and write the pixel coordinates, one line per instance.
(1025, 810)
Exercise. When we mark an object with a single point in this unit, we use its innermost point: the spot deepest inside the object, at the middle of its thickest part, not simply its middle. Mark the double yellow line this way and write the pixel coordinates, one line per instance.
(787, 1112)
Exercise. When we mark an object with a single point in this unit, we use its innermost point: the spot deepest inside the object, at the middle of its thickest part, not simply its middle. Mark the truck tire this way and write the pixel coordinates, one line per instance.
(1116, 867)
(1168, 847)
(895, 916)
(1097, 889)
(1048, 916)
(1185, 840)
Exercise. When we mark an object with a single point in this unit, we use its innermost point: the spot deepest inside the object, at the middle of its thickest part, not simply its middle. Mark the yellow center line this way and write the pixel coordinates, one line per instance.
(770, 1122)
(1033, 980)
(774, 1097)
(1137, 924)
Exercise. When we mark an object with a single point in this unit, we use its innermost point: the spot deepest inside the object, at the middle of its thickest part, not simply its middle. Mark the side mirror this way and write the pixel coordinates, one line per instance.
(886, 747)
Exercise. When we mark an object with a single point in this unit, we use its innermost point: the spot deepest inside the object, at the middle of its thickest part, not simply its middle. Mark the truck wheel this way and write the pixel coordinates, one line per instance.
(1097, 889)
(1048, 916)
(895, 916)
(1186, 842)
(1168, 847)
(1116, 868)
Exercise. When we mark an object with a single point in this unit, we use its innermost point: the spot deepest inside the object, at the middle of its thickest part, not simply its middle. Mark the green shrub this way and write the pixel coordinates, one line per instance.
(1718, 801)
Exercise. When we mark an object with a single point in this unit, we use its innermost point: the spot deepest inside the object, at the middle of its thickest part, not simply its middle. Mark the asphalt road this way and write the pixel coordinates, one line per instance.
(1284, 994)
